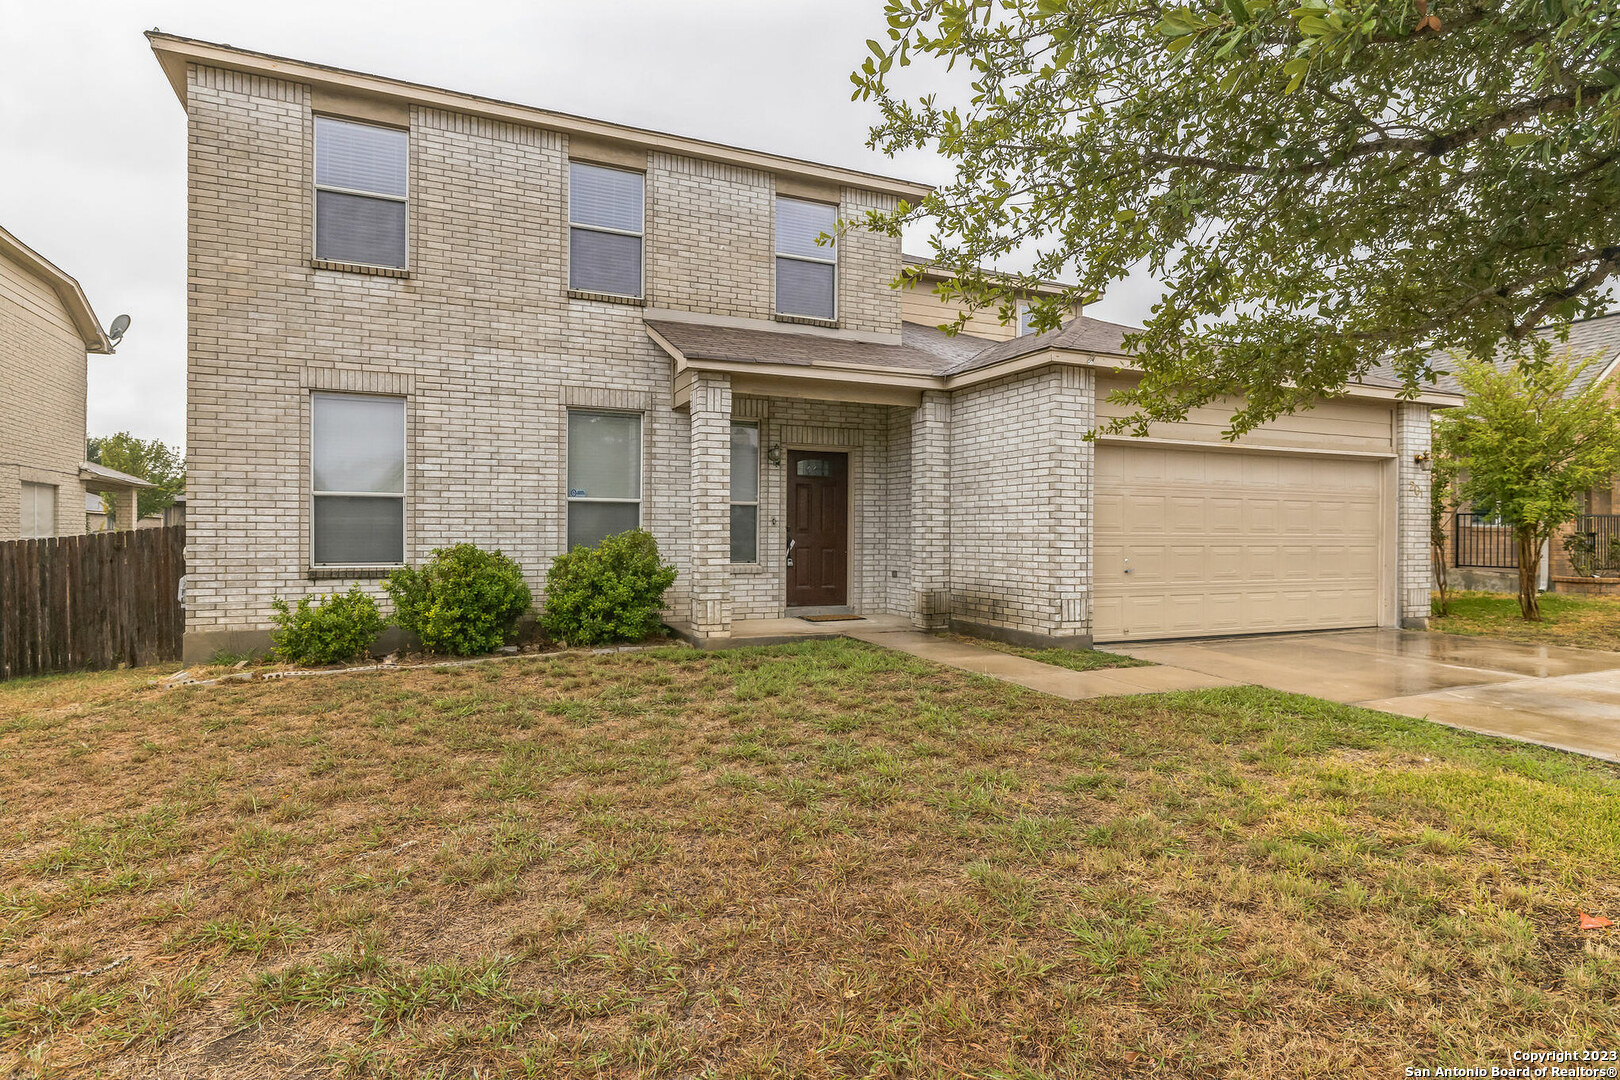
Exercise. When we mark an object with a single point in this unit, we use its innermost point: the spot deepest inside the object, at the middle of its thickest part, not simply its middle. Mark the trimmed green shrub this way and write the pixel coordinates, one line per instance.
(334, 629)
(612, 592)
(463, 601)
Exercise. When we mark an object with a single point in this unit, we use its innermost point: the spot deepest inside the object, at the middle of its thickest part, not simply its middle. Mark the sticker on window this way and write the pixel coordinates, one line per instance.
(814, 467)
(576, 493)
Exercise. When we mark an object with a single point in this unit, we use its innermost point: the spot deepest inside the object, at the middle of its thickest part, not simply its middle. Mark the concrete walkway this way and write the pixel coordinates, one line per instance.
(1048, 679)
(1546, 694)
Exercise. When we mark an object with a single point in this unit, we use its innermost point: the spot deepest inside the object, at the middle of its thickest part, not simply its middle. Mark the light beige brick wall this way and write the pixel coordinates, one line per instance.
(710, 240)
(868, 264)
(42, 386)
(1020, 486)
(481, 339)
(1414, 569)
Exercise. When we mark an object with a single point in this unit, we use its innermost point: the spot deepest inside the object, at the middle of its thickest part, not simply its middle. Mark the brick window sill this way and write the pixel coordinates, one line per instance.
(607, 298)
(351, 573)
(748, 568)
(360, 268)
(805, 320)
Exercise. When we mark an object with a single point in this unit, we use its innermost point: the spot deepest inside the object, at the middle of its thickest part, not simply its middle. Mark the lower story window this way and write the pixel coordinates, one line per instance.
(604, 475)
(744, 493)
(358, 458)
(38, 511)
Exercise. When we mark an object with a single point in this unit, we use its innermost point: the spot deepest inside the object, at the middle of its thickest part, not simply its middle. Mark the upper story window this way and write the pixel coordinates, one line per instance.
(38, 511)
(358, 479)
(806, 272)
(605, 224)
(361, 192)
(1026, 324)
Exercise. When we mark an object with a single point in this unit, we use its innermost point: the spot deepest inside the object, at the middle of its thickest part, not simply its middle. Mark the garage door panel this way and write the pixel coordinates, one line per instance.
(1223, 542)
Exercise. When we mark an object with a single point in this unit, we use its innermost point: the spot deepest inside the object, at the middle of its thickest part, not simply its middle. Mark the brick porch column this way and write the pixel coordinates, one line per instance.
(1414, 575)
(710, 584)
(124, 509)
(930, 539)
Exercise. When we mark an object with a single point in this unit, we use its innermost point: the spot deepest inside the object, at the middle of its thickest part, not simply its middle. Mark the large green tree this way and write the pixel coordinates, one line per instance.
(1526, 444)
(1318, 184)
(149, 459)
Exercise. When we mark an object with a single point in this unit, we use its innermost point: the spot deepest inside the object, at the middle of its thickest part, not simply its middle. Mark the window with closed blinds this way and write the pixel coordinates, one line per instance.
(38, 511)
(361, 193)
(358, 458)
(605, 225)
(604, 475)
(744, 493)
(806, 270)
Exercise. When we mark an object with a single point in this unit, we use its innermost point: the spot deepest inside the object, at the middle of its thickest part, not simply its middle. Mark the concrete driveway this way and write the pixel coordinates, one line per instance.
(1561, 697)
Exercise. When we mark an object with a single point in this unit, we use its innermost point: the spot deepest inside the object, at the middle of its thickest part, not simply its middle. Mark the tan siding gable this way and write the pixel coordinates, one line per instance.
(1360, 426)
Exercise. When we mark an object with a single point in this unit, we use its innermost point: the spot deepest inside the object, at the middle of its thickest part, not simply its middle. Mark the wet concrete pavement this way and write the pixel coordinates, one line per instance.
(1556, 696)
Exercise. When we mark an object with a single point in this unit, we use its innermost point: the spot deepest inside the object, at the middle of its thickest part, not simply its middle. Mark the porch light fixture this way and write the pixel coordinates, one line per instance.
(774, 454)
(1421, 460)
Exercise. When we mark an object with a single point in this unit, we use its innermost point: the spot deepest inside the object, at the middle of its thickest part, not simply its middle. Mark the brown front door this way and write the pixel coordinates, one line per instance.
(818, 526)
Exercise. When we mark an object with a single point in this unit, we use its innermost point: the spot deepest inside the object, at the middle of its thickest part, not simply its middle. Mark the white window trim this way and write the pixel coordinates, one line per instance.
(402, 496)
(640, 234)
(317, 187)
(776, 299)
(759, 471)
(641, 467)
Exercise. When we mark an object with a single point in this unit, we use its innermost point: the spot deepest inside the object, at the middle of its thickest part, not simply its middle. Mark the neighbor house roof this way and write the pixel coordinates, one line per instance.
(176, 53)
(1599, 336)
(73, 298)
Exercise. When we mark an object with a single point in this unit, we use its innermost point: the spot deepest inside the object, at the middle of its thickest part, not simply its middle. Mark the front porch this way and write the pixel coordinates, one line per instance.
(838, 503)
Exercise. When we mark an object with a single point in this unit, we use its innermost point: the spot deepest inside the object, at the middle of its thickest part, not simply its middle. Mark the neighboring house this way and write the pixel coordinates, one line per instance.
(419, 317)
(46, 328)
(1480, 553)
(173, 514)
(95, 513)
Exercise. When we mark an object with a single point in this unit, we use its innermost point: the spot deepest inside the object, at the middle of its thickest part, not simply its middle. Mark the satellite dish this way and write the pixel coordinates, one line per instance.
(116, 330)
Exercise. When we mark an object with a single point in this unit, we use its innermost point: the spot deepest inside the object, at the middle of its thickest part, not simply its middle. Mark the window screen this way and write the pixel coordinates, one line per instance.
(744, 493)
(605, 218)
(358, 459)
(361, 189)
(806, 272)
(604, 475)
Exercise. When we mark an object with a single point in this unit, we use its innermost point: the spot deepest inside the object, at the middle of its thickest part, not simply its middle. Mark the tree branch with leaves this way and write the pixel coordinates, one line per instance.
(1318, 184)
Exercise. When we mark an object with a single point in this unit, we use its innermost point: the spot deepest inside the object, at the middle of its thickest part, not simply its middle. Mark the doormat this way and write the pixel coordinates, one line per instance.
(832, 618)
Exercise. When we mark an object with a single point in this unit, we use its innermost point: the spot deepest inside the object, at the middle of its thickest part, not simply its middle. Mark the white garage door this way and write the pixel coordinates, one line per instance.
(1199, 542)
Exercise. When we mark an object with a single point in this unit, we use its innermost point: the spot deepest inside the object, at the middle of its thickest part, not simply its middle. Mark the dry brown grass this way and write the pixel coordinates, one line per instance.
(813, 860)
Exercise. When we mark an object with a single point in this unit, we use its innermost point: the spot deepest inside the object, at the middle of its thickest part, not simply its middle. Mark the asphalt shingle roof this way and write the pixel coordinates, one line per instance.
(1600, 336)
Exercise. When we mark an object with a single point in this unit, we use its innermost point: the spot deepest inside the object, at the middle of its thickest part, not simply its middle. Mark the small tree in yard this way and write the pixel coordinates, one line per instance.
(1527, 447)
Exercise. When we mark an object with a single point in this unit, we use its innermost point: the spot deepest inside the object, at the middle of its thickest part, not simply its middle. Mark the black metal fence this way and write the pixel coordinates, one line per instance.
(1602, 532)
(1484, 542)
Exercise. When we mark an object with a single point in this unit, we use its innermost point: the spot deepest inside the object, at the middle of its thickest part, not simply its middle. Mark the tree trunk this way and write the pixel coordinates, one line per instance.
(1529, 573)
(1442, 578)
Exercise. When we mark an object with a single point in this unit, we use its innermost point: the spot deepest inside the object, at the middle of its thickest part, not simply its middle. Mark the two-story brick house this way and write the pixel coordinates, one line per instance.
(419, 317)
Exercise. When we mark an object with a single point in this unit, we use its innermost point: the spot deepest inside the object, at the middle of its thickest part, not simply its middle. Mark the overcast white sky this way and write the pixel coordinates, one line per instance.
(92, 140)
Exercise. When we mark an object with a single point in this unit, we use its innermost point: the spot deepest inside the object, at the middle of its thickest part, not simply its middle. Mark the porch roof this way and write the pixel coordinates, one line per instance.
(926, 357)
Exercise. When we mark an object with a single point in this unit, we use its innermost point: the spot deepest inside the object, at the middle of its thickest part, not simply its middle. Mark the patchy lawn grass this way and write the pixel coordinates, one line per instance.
(1591, 622)
(813, 860)
(1073, 659)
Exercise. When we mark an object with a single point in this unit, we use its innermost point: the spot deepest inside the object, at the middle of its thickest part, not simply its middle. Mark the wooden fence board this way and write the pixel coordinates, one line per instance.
(99, 600)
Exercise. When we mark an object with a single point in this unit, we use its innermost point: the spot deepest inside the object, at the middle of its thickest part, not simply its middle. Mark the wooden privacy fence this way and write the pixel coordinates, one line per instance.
(93, 601)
